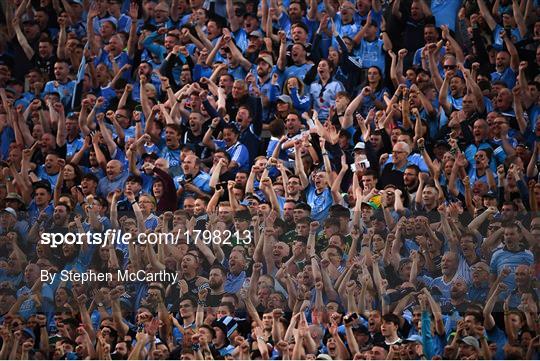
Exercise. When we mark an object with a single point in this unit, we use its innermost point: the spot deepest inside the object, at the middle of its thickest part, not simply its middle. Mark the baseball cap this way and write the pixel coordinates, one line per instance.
(284, 98)
(480, 265)
(323, 356)
(256, 33)
(361, 329)
(253, 196)
(360, 146)
(27, 331)
(28, 20)
(15, 197)
(441, 143)
(78, 2)
(152, 155)
(371, 204)
(265, 57)
(490, 194)
(471, 341)
(10, 211)
(413, 338)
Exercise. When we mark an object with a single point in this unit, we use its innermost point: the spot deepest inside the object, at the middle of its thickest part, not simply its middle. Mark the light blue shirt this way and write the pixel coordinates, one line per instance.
(66, 90)
(371, 53)
(413, 158)
(503, 258)
(319, 202)
(105, 186)
(324, 96)
(445, 12)
(238, 152)
(233, 283)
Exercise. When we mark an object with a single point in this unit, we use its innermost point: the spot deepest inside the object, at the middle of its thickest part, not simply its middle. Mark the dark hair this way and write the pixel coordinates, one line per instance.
(233, 295)
(42, 184)
(414, 167)
(371, 172)
(175, 127)
(232, 127)
(219, 267)
(339, 250)
(337, 210)
(300, 25)
(390, 317)
(229, 305)
(303, 206)
(331, 221)
(185, 298)
(90, 177)
(224, 152)
(477, 315)
(301, 3)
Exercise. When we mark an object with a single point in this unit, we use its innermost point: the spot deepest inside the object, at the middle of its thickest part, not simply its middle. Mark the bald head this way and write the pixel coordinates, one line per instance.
(114, 169)
(402, 147)
(191, 164)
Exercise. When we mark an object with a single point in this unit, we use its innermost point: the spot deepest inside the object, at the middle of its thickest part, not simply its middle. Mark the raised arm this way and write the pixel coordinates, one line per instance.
(300, 172)
(455, 45)
(107, 136)
(360, 34)
(518, 16)
(23, 42)
(443, 94)
(514, 56)
(282, 58)
(486, 14)
(235, 21)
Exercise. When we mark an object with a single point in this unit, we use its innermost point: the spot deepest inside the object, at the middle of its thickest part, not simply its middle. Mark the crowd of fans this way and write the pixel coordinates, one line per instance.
(364, 178)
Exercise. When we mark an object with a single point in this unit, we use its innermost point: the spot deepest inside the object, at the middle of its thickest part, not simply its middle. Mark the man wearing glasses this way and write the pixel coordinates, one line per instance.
(392, 173)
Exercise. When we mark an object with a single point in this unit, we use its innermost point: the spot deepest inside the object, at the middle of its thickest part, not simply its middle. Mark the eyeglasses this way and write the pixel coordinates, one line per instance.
(449, 66)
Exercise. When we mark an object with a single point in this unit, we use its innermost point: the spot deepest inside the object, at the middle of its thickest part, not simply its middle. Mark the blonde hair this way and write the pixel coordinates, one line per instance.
(151, 198)
(150, 88)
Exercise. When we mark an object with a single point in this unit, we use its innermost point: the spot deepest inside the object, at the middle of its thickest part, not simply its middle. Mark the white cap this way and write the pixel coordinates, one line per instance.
(10, 211)
(360, 145)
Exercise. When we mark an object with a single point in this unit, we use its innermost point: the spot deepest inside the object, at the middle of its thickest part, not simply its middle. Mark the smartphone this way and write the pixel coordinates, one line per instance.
(221, 185)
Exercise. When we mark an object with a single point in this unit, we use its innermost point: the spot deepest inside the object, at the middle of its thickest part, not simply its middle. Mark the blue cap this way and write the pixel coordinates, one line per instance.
(414, 338)
(29, 332)
(227, 324)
